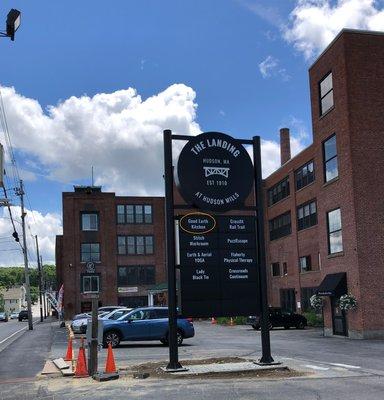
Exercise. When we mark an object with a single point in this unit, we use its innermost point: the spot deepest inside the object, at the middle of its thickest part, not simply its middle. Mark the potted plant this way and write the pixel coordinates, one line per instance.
(347, 302)
(316, 301)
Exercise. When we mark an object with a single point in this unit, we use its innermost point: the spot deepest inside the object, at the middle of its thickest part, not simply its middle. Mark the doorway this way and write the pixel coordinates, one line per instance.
(339, 322)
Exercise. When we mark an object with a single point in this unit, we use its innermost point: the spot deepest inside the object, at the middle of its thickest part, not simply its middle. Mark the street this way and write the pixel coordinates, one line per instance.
(334, 368)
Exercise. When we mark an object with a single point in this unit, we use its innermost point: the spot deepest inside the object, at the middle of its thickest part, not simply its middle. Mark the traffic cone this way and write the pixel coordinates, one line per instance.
(110, 366)
(213, 321)
(69, 355)
(231, 322)
(81, 370)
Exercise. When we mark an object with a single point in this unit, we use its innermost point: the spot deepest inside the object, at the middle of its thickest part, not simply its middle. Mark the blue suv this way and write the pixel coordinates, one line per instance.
(145, 323)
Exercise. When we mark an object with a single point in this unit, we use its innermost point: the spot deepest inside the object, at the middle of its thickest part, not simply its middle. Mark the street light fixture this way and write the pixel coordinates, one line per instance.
(13, 24)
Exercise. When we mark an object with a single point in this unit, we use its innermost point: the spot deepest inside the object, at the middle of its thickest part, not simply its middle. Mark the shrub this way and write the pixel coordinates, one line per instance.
(313, 319)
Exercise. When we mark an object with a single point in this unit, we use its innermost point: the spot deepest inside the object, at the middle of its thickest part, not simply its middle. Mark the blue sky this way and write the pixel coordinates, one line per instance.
(235, 66)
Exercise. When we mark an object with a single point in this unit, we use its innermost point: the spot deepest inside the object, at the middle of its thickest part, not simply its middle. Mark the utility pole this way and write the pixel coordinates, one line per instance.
(39, 268)
(43, 283)
(20, 192)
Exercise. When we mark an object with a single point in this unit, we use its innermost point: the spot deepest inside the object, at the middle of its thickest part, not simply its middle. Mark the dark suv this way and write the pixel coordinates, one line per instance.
(278, 317)
(23, 314)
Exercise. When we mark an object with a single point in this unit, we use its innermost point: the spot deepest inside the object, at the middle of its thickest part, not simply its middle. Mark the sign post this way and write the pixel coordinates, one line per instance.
(266, 357)
(173, 364)
(222, 257)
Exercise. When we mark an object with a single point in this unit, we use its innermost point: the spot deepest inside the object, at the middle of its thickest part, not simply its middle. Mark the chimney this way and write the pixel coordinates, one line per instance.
(285, 146)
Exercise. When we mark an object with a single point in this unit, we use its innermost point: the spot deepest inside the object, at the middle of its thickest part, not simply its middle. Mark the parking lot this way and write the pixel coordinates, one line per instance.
(243, 341)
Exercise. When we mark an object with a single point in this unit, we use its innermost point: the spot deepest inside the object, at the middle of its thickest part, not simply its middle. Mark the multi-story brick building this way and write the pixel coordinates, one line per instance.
(324, 207)
(112, 245)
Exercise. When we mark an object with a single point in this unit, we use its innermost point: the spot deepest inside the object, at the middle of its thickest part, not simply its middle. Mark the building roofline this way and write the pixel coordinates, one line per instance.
(341, 33)
(288, 162)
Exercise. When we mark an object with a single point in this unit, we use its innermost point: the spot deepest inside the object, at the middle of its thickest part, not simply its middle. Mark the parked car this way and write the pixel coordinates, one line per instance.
(80, 325)
(23, 314)
(100, 310)
(14, 315)
(278, 317)
(144, 323)
(3, 316)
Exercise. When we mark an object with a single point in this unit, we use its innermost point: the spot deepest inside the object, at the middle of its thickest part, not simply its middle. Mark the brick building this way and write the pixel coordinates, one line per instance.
(324, 207)
(110, 244)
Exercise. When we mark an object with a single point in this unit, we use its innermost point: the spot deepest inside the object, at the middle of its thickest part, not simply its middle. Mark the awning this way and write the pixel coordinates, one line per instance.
(333, 285)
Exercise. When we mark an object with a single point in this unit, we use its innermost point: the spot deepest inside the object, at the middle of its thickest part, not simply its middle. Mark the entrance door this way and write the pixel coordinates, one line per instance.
(339, 322)
(288, 299)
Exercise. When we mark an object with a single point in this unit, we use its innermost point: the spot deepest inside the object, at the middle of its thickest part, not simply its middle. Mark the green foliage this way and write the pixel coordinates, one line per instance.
(15, 276)
(313, 319)
(1, 301)
(227, 320)
(34, 294)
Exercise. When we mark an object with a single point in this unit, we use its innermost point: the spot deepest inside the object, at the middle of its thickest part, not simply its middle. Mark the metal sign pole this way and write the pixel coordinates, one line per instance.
(92, 361)
(174, 364)
(265, 338)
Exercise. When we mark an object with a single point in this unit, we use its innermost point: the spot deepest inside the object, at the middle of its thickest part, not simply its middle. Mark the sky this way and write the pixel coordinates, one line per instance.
(95, 83)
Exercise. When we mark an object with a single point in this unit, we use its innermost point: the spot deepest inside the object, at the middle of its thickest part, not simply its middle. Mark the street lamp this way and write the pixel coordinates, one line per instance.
(13, 23)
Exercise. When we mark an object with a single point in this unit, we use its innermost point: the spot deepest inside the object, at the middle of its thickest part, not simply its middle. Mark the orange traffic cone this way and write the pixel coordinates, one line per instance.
(213, 321)
(110, 366)
(69, 355)
(81, 364)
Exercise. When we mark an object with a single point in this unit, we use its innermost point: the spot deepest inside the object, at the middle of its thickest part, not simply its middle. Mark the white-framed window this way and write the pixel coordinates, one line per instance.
(89, 221)
(91, 284)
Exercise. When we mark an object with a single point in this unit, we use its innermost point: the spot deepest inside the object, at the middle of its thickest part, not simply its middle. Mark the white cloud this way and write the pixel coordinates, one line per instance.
(270, 68)
(315, 23)
(46, 227)
(270, 152)
(118, 133)
(268, 13)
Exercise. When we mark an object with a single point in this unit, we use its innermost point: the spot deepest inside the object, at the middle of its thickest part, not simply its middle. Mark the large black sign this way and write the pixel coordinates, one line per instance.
(218, 268)
(214, 172)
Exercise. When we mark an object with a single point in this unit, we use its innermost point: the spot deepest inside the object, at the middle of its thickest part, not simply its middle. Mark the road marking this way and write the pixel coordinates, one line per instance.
(345, 365)
(317, 367)
(13, 334)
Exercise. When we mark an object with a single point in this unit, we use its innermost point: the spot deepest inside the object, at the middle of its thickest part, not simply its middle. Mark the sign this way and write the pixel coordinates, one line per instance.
(214, 172)
(90, 267)
(133, 289)
(218, 269)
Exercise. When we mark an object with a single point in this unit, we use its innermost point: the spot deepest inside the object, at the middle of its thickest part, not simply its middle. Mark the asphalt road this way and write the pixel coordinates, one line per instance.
(341, 368)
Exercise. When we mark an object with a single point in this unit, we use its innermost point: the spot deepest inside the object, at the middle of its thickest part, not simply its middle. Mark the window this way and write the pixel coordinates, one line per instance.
(326, 94)
(90, 252)
(133, 301)
(306, 215)
(335, 238)
(90, 284)
(306, 294)
(278, 191)
(134, 214)
(275, 269)
(304, 175)
(280, 226)
(135, 245)
(136, 275)
(331, 170)
(285, 269)
(305, 264)
(89, 221)
(288, 299)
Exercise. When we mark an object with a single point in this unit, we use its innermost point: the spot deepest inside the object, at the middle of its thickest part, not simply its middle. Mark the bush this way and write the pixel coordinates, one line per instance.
(313, 319)
(227, 320)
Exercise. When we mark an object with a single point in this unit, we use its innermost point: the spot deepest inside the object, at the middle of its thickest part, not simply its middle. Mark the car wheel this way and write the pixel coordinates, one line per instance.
(300, 325)
(286, 326)
(20, 319)
(111, 337)
(164, 341)
(256, 327)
